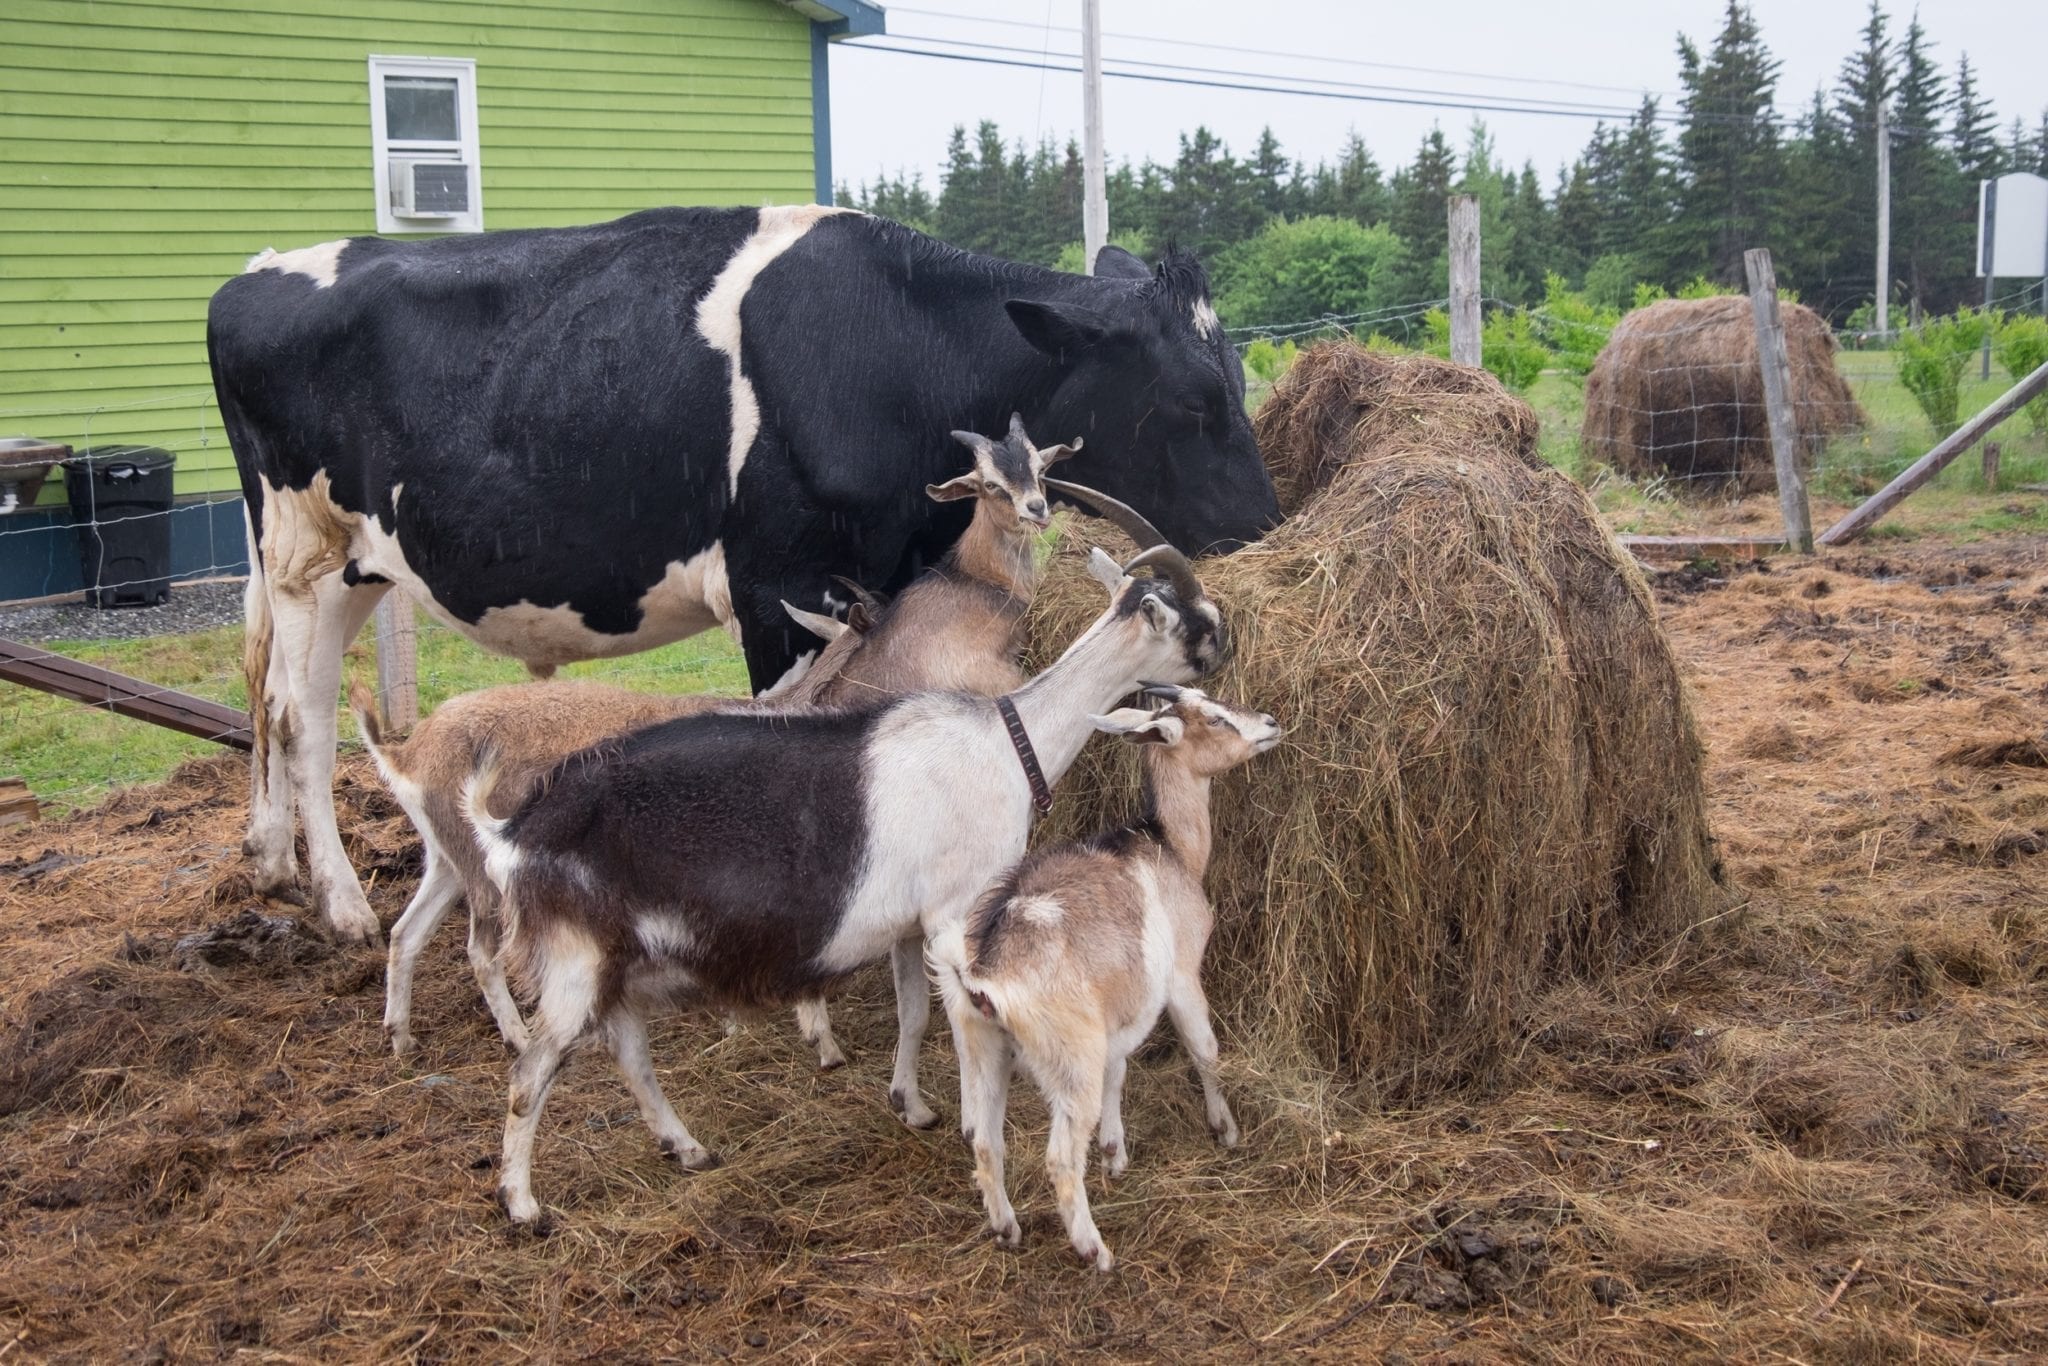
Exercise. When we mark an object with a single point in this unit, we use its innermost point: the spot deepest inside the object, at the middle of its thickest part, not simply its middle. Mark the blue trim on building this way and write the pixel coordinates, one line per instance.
(208, 537)
(831, 20)
(821, 113)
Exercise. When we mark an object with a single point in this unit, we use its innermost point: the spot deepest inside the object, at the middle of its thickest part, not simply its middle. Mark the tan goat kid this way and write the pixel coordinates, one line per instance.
(1068, 959)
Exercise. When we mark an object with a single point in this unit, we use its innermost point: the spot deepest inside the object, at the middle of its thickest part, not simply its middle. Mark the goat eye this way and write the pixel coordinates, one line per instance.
(991, 486)
(1219, 720)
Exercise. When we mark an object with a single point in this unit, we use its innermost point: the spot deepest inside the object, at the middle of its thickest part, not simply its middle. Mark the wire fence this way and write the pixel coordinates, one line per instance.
(1671, 435)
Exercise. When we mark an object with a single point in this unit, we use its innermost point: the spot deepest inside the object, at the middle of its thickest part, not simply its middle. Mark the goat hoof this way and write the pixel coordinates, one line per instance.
(921, 1117)
(1008, 1234)
(1096, 1255)
(831, 1064)
(525, 1213)
(403, 1045)
(692, 1159)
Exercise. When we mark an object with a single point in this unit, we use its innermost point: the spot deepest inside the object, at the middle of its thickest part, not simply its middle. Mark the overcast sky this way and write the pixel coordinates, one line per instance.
(892, 111)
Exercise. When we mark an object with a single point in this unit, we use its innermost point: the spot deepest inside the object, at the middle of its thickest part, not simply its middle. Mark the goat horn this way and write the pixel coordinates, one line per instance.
(1110, 510)
(872, 601)
(1165, 692)
(1175, 566)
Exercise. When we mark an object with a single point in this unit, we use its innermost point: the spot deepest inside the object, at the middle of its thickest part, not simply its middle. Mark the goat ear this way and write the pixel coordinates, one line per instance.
(961, 486)
(1049, 456)
(817, 623)
(1103, 568)
(1140, 727)
(857, 618)
(1057, 329)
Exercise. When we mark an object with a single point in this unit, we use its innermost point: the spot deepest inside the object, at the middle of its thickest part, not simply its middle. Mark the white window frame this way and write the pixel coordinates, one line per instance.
(468, 146)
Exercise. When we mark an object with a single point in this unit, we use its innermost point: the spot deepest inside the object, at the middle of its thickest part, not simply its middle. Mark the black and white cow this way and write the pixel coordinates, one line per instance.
(585, 442)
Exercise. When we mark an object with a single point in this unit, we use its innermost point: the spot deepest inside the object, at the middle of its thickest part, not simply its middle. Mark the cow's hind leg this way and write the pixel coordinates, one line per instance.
(312, 626)
(273, 864)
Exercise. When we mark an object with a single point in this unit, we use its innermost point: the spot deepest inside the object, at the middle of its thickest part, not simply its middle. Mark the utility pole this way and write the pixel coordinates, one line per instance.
(1884, 219)
(1094, 183)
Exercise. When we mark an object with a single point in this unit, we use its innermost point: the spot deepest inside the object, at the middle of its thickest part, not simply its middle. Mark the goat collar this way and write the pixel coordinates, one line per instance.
(1041, 793)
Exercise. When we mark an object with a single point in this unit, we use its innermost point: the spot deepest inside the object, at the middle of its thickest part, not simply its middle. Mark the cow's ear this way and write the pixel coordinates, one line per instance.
(1114, 263)
(1057, 329)
(964, 486)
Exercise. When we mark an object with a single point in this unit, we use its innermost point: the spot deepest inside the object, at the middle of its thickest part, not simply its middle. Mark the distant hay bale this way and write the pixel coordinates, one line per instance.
(1676, 391)
(1491, 776)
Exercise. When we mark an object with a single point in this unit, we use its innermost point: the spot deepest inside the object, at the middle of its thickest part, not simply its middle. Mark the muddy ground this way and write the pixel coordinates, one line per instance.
(1815, 1130)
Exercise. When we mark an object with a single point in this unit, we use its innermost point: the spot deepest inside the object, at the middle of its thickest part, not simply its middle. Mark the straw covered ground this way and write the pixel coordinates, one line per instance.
(1677, 392)
(1814, 1128)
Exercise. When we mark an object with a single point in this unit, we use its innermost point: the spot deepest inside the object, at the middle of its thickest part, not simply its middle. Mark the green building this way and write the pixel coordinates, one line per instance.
(148, 150)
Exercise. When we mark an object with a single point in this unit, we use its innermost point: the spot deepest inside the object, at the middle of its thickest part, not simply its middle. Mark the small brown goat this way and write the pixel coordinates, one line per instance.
(1069, 958)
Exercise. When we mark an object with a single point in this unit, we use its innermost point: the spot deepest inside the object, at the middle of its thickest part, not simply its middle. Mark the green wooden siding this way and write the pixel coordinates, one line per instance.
(148, 150)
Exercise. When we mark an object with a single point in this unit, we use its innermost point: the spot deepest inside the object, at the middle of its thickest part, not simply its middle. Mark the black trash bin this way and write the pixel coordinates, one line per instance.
(121, 504)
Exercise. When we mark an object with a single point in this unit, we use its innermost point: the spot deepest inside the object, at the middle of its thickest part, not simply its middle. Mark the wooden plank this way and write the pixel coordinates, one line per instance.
(1464, 214)
(34, 667)
(1776, 366)
(17, 804)
(398, 673)
(1932, 463)
(1704, 546)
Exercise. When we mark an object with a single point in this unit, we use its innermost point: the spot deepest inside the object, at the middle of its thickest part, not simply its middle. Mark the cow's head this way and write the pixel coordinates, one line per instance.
(1146, 374)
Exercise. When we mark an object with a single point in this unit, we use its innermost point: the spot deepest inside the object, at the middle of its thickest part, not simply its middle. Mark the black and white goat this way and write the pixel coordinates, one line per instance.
(747, 859)
(532, 727)
(958, 626)
(1070, 957)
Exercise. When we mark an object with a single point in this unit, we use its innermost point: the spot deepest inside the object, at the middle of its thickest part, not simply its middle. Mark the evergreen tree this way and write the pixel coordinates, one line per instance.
(1729, 154)
(1576, 215)
(1532, 242)
(1643, 189)
(1824, 223)
(1927, 247)
(1268, 170)
(1207, 199)
(1974, 133)
(1865, 86)
(1417, 211)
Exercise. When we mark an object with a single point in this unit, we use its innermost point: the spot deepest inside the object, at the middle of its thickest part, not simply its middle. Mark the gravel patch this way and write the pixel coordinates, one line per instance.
(192, 607)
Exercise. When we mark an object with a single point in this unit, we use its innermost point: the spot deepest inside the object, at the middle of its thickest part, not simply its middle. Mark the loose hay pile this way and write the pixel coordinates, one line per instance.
(1676, 391)
(1491, 777)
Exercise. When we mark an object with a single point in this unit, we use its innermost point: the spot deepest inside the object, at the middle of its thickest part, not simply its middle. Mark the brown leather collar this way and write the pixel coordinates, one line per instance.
(1041, 794)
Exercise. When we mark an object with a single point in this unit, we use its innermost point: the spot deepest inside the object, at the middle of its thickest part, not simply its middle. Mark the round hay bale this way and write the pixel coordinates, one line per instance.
(1491, 777)
(1676, 392)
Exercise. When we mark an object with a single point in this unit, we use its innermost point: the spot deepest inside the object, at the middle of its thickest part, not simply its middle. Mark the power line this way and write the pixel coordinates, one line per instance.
(1356, 92)
(1295, 56)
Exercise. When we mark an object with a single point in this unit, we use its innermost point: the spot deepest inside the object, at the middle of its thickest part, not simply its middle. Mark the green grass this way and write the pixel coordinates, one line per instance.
(71, 755)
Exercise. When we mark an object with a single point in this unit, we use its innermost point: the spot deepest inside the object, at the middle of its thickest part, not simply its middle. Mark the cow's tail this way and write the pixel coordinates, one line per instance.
(257, 643)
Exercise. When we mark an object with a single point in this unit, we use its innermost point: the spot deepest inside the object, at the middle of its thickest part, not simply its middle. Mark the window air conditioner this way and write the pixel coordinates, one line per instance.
(429, 188)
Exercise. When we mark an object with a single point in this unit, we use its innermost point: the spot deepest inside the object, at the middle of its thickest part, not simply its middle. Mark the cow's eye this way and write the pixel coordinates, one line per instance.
(1194, 407)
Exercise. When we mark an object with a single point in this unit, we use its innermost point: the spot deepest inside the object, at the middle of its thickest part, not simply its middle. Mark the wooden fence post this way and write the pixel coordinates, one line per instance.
(398, 679)
(1776, 366)
(1992, 452)
(1930, 464)
(1464, 214)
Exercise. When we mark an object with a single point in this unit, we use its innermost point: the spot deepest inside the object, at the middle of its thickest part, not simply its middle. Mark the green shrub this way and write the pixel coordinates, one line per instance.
(1647, 294)
(1269, 361)
(1611, 280)
(1932, 358)
(2021, 346)
(1700, 287)
(1310, 268)
(1511, 349)
(1573, 326)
